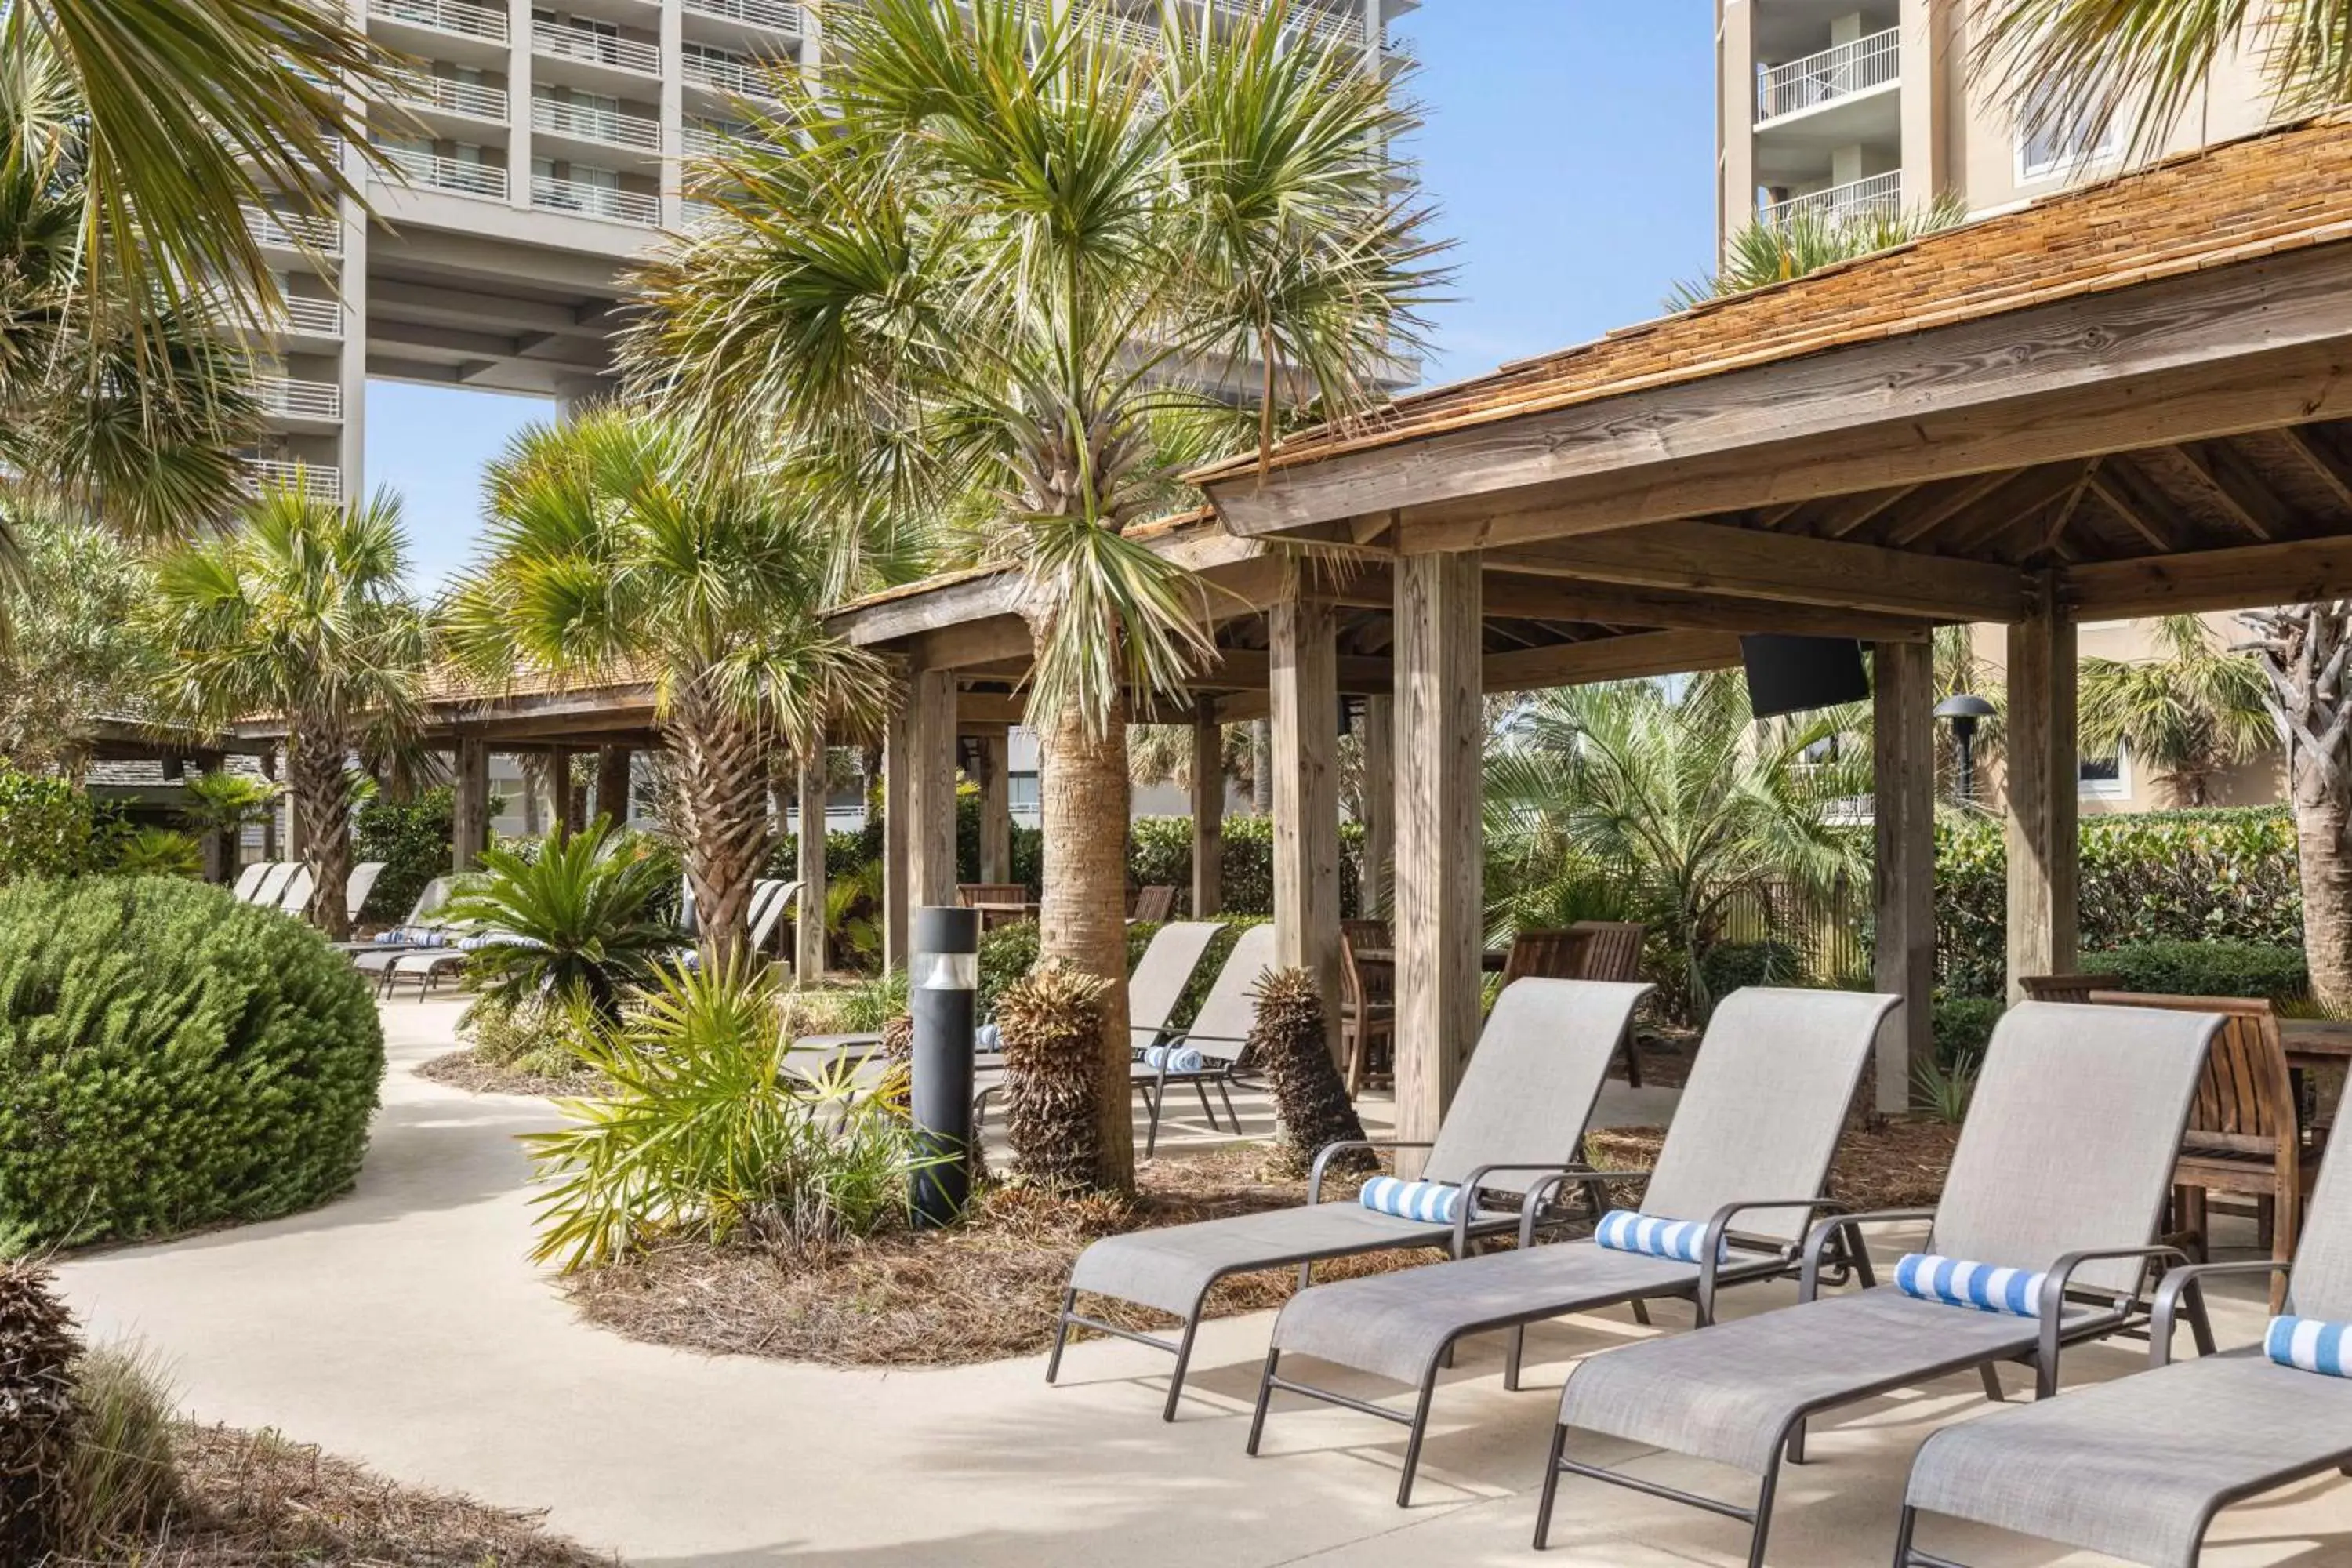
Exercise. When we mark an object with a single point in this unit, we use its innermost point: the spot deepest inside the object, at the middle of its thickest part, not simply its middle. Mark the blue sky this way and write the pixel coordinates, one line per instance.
(1570, 150)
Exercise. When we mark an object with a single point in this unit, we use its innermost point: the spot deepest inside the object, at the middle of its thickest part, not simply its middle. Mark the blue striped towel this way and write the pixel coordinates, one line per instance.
(1433, 1203)
(1957, 1282)
(1622, 1230)
(1175, 1058)
(2307, 1344)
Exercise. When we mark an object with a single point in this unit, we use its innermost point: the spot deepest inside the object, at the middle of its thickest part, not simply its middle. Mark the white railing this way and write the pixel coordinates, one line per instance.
(291, 399)
(1331, 25)
(456, 97)
(444, 16)
(780, 14)
(737, 78)
(294, 231)
(555, 39)
(1860, 201)
(595, 124)
(694, 210)
(595, 201)
(321, 481)
(436, 172)
(313, 318)
(1837, 72)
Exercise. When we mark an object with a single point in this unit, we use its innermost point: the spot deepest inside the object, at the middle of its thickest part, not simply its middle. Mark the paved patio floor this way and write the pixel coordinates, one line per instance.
(402, 1326)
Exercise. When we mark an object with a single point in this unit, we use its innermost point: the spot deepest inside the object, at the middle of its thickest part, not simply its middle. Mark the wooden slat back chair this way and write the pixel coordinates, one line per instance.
(1367, 1000)
(1546, 955)
(2243, 1136)
(2067, 987)
(1613, 951)
(971, 893)
(1156, 904)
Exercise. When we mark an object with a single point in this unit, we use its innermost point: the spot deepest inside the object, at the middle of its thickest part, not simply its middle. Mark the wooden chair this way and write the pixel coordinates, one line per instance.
(1367, 1000)
(1156, 903)
(2244, 1135)
(1545, 954)
(983, 895)
(2067, 987)
(1613, 951)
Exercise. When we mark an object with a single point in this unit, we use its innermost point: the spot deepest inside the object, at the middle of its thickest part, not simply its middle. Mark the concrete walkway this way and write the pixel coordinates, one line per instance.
(402, 1326)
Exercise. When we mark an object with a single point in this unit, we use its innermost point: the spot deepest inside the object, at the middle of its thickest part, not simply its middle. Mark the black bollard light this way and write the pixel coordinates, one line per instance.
(944, 989)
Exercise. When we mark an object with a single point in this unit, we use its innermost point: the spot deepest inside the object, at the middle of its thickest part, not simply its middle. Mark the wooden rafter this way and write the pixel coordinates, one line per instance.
(2205, 580)
(1931, 514)
(2121, 490)
(2243, 498)
(2319, 455)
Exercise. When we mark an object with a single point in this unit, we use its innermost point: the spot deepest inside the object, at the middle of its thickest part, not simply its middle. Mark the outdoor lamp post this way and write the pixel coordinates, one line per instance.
(1966, 710)
(943, 993)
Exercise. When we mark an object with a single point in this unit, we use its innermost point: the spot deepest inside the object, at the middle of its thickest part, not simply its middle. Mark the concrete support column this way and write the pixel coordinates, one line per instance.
(931, 789)
(518, 144)
(1304, 669)
(996, 804)
(1925, 170)
(672, 28)
(1372, 885)
(469, 825)
(612, 775)
(808, 923)
(1208, 811)
(2044, 777)
(897, 745)
(1734, 46)
(1440, 913)
(1903, 694)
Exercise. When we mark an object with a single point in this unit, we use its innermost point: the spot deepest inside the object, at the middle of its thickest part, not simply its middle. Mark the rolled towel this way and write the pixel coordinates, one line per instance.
(2308, 1344)
(1174, 1058)
(1957, 1282)
(1433, 1203)
(1622, 1230)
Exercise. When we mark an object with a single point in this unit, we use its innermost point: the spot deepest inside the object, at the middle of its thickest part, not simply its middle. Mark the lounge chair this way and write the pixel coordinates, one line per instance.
(248, 881)
(1519, 1114)
(422, 928)
(2137, 1468)
(269, 893)
(2061, 1171)
(1746, 1156)
(766, 914)
(294, 897)
(361, 884)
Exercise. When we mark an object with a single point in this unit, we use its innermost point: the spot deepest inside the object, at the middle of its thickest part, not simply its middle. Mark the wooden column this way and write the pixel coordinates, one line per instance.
(808, 918)
(2044, 779)
(897, 745)
(269, 837)
(996, 804)
(1208, 811)
(1304, 701)
(1372, 885)
(469, 824)
(1903, 694)
(1440, 914)
(931, 789)
(613, 774)
(559, 785)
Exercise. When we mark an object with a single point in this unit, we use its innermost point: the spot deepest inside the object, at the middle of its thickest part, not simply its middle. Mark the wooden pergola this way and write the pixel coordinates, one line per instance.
(2123, 401)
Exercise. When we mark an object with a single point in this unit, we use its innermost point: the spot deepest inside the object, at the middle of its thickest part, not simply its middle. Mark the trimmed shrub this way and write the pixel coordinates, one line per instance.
(48, 828)
(1289, 1044)
(1051, 1024)
(412, 841)
(1963, 1027)
(171, 1058)
(2207, 969)
(1159, 851)
(1007, 953)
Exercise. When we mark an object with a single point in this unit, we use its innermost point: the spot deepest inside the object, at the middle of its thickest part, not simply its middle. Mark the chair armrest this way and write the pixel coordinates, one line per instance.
(2052, 1305)
(1468, 1211)
(1539, 1194)
(1817, 1244)
(2188, 1282)
(1720, 1225)
(1323, 1159)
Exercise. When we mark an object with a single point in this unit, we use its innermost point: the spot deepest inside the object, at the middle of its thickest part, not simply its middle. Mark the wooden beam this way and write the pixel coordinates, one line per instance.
(2234, 579)
(1628, 657)
(1711, 558)
(2243, 498)
(1510, 596)
(1304, 689)
(1004, 638)
(1243, 708)
(931, 789)
(1208, 811)
(2043, 786)
(2319, 454)
(808, 867)
(1902, 695)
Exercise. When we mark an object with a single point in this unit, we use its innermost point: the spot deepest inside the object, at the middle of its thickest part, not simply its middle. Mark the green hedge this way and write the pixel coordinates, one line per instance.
(411, 839)
(48, 828)
(171, 1058)
(1159, 851)
(2207, 969)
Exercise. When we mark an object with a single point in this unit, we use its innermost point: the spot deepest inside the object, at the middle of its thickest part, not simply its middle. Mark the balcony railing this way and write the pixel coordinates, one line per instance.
(321, 481)
(1329, 25)
(466, 98)
(291, 399)
(436, 173)
(602, 125)
(1860, 201)
(1838, 72)
(737, 78)
(452, 17)
(560, 42)
(694, 210)
(595, 201)
(312, 318)
(779, 14)
(294, 231)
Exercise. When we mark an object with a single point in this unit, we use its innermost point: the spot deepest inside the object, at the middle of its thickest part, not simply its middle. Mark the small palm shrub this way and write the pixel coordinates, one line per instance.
(170, 1058)
(39, 1417)
(580, 917)
(158, 852)
(709, 1134)
(1291, 1044)
(1051, 1021)
(1942, 1090)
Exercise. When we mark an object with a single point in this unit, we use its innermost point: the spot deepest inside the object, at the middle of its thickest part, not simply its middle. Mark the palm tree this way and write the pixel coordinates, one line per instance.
(616, 546)
(1006, 269)
(2188, 713)
(300, 612)
(580, 920)
(1771, 251)
(1671, 796)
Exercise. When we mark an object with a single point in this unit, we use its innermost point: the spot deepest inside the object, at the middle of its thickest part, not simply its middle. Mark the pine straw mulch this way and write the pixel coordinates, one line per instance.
(465, 1069)
(989, 1289)
(1882, 1164)
(256, 1500)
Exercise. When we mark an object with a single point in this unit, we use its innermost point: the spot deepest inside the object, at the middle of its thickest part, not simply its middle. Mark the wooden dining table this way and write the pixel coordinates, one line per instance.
(2316, 1042)
(1491, 958)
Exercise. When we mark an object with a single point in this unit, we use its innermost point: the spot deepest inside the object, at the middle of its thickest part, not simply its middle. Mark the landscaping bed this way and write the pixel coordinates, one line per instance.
(477, 1073)
(1892, 1163)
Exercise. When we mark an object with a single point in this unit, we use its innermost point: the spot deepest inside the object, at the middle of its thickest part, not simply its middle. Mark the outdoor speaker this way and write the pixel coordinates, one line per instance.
(1790, 675)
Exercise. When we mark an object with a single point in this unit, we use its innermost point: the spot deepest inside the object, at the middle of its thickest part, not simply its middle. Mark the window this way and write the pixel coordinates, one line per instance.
(2105, 778)
(2052, 142)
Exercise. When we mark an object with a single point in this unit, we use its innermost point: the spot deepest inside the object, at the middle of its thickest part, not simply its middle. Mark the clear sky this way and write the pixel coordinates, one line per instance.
(1569, 148)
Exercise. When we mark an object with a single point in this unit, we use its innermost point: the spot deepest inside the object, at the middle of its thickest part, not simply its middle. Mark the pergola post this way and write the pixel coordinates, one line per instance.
(808, 918)
(1304, 701)
(2044, 777)
(1903, 695)
(1208, 811)
(996, 804)
(269, 771)
(469, 817)
(612, 769)
(1372, 900)
(1440, 738)
(931, 788)
(558, 780)
(897, 741)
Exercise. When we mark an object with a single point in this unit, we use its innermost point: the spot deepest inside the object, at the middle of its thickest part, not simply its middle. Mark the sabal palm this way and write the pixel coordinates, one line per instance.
(1674, 796)
(301, 611)
(1002, 270)
(2185, 714)
(619, 547)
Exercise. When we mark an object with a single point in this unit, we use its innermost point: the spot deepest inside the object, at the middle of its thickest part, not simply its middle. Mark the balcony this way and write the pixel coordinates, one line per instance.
(320, 481)
(1330, 26)
(308, 318)
(726, 76)
(429, 171)
(1840, 72)
(294, 231)
(597, 125)
(776, 15)
(557, 41)
(551, 195)
(1873, 200)
(468, 99)
(286, 398)
(451, 16)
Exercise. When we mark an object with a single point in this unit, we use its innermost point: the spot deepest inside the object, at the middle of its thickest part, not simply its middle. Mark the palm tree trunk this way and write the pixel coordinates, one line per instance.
(316, 777)
(1083, 798)
(722, 793)
(2306, 651)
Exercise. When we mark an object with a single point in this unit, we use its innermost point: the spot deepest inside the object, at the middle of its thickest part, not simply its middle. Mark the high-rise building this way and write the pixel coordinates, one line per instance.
(539, 146)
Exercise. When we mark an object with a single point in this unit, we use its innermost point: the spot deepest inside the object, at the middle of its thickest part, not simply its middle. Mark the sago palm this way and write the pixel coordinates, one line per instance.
(581, 918)
(1003, 268)
(617, 547)
(2187, 714)
(301, 612)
